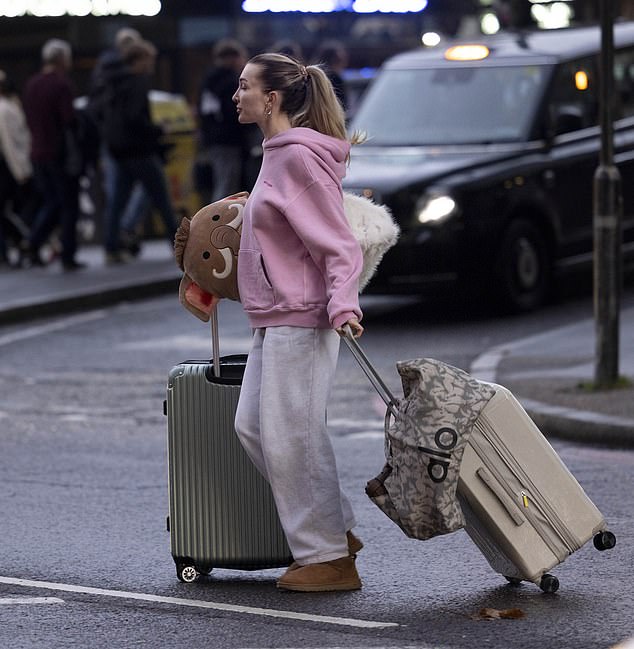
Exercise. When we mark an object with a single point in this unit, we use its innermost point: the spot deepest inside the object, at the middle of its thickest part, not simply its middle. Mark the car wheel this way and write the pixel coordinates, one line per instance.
(522, 268)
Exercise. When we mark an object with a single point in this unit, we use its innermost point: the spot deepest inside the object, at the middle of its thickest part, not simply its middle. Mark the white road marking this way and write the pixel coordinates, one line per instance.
(30, 600)
(485, 367)
(74, 418)
(195, 603)
(57, 325)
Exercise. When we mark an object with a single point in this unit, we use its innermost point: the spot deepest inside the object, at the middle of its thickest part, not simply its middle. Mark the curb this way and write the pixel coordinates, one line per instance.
(580, 425)
(556, 421)
(89, 299)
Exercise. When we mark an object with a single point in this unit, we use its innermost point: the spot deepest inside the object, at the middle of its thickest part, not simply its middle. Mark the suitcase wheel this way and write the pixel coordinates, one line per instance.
(186, 572)
(604, 540)
(549, 583)
(513, 581)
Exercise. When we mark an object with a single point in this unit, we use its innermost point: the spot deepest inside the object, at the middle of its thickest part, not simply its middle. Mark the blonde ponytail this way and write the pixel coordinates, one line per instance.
(308, 97)
(321, 109)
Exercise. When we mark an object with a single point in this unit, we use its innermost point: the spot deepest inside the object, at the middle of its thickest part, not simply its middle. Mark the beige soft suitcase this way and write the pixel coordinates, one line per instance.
(524, 509)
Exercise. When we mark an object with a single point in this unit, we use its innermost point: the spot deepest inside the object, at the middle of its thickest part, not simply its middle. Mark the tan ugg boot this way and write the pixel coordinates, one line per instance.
(355, 545)
(340, 574)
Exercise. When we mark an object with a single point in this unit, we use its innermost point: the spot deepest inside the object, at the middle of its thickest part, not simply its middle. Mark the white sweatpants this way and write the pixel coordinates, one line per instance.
(281, 422)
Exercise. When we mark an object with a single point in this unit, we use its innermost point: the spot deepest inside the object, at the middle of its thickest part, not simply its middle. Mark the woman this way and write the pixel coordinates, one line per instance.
(15, 150)
(298, 273)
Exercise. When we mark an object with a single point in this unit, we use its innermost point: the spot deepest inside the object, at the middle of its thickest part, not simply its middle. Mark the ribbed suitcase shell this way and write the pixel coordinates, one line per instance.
(524, 509)
(222, 512)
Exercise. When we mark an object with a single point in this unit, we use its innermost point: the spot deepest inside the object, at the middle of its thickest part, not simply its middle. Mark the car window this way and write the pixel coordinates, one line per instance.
(624, 83)
(574, 102)
(452, 105)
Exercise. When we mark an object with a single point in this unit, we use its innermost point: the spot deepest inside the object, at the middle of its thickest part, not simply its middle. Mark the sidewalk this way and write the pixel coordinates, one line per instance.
(36, 292)
(543, 371)
(547, 373)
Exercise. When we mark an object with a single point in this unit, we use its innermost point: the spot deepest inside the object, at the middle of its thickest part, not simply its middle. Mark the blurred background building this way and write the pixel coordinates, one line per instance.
(184, 31)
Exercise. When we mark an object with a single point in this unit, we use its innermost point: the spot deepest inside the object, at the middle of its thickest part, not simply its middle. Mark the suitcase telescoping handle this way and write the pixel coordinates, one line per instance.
(215, 344)
(370, 371)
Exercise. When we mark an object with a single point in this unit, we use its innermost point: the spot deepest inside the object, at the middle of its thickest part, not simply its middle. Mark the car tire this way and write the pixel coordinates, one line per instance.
(522, 268)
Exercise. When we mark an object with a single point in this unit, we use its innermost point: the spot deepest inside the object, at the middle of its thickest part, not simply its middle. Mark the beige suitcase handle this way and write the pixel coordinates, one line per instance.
(511, 507)
(370, 371)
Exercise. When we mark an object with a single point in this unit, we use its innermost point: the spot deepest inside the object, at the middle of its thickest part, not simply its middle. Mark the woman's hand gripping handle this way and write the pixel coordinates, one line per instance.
(353, 325)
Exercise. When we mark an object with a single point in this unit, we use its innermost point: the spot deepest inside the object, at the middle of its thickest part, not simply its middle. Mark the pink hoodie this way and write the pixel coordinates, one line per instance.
(299, 262)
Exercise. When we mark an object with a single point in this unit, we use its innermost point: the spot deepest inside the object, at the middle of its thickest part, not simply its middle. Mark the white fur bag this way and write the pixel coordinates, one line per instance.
(374, 229)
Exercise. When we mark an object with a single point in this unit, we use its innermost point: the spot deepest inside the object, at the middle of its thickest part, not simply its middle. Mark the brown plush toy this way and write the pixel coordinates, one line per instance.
(206, 250)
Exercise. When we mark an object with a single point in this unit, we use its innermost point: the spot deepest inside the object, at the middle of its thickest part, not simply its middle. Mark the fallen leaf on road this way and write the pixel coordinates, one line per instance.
(495, 614)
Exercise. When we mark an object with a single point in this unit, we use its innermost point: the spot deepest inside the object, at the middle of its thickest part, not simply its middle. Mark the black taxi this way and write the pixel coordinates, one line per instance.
(485, 152)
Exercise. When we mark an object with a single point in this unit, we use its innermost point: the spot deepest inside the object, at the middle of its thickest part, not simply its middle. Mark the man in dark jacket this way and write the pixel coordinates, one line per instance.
(108, 66)
(48, 106)
(222, 135)
(132, 140)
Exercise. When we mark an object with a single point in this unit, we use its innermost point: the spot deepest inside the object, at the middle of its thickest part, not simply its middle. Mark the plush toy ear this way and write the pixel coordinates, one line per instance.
(196, 300)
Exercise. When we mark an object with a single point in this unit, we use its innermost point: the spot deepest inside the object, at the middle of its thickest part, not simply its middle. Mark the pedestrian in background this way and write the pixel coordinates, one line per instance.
(110, 59)
(333, 57)
(223, 139)
(298, 276)
(15, 155)
(48, 105)
(133, 141)
(290, 48)
(110, 65)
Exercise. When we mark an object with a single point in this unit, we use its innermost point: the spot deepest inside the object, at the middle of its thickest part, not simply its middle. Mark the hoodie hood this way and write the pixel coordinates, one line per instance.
(331, 152)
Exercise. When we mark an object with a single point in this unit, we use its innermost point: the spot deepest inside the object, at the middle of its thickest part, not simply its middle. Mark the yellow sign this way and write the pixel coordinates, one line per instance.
(174, 115)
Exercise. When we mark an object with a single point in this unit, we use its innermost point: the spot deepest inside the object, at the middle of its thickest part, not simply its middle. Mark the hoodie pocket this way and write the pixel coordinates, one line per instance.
(256, 292)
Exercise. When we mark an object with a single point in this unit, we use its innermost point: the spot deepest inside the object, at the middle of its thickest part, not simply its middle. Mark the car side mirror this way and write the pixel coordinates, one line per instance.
(567, 119)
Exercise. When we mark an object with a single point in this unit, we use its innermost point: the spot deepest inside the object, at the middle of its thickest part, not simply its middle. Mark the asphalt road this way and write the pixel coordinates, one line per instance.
(84, 556)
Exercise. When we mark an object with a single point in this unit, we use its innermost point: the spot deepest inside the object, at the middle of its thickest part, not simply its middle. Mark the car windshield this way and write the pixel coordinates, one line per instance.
(451, 105)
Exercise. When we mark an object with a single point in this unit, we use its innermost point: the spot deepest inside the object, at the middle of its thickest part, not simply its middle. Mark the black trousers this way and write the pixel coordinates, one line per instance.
(60, 207)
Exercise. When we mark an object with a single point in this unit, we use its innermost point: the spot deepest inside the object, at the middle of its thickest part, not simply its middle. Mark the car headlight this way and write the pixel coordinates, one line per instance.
(436, 208)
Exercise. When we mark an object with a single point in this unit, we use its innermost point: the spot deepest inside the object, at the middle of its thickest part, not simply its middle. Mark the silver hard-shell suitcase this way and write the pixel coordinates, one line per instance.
(221, 510)
(523, 508)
